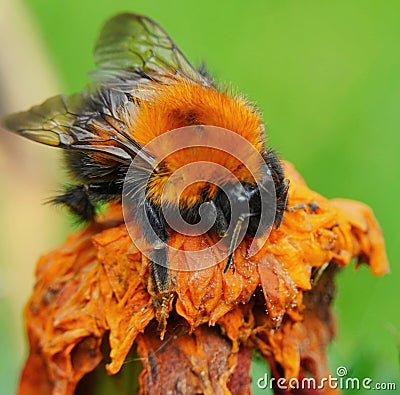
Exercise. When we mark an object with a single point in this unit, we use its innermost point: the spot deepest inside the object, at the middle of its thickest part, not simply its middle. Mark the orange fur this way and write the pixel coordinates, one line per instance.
(185, 103)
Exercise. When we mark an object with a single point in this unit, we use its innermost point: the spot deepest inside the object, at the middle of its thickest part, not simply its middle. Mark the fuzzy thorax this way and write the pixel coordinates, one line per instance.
(185, 104)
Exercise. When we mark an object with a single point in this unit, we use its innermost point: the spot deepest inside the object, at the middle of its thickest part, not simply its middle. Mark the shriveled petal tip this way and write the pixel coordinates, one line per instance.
(367, 235)
(95, 289)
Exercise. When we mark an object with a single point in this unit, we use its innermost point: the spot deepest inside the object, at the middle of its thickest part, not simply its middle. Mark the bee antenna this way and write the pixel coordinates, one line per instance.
(235, 237)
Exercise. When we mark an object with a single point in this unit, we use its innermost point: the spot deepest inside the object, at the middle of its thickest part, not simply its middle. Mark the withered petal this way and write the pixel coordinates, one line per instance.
(96, 286)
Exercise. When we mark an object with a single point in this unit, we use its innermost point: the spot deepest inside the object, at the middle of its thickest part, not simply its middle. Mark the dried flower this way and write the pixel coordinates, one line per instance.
(94, 290)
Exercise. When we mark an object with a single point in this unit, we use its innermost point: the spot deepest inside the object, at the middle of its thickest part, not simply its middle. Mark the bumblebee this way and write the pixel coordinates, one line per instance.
(142, 88)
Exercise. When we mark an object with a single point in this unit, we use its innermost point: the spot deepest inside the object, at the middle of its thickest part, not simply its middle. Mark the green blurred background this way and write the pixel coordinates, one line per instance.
(326, 75)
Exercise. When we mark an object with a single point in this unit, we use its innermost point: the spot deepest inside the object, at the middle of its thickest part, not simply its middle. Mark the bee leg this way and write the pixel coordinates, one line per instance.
(281, 185)
(281, 202)
(221, 227)
(299, 206)
(162, 287)
(221, 223)
(160, 272)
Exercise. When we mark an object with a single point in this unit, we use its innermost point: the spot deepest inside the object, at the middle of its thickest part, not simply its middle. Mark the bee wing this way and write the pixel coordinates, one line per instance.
(134, 43)
(95, 120)
(133, 54)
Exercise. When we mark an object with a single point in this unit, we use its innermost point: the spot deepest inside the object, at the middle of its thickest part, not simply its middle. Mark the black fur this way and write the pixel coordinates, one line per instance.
(78, 201)
(81, 199)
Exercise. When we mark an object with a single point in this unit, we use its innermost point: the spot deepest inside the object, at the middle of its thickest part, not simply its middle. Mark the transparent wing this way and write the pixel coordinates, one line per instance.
(133, 53)
(136, 43)
(92, 121)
